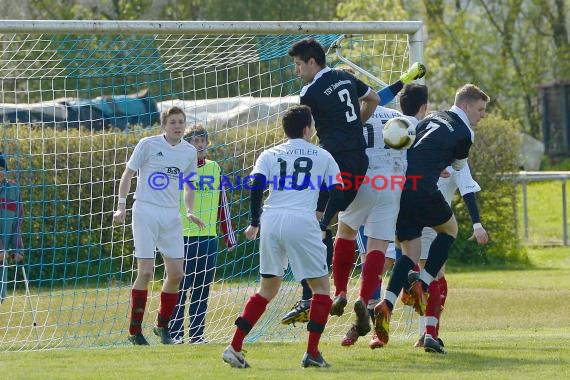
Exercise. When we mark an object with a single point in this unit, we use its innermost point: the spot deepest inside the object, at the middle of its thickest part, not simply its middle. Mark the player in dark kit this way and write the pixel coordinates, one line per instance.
(339, 102)
(334, 97)
(442, 139)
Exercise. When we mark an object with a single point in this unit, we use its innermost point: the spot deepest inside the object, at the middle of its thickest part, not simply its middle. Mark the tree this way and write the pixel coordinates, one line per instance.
(371, 11)
(507, 47)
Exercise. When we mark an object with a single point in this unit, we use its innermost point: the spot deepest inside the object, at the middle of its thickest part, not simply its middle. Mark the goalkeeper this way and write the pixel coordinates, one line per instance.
(201, 245)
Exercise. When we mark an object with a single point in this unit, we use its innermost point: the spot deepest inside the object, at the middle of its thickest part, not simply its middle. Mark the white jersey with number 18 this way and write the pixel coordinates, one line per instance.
(295, 171)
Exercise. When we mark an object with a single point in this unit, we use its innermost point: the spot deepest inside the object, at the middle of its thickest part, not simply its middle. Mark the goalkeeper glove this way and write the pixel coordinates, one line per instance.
(416, 71)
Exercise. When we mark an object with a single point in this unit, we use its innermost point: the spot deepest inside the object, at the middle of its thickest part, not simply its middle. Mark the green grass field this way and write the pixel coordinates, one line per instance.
(545, 213)
(506, 324)
(497, 325)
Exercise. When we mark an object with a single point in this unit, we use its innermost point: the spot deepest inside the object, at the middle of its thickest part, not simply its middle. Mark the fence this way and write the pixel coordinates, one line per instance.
(525, 178)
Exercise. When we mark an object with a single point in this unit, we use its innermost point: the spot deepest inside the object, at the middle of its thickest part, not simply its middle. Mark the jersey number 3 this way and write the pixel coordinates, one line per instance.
(344, 96)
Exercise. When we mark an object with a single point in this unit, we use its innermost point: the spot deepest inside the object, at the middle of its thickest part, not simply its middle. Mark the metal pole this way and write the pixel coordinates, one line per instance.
(209, 27)
(29, 297)
(416, 42)
(525, 211)
(564, 215)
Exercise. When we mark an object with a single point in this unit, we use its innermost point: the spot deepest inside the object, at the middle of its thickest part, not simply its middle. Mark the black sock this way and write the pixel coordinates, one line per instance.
(438, 254)
(307, 292)
(400, 274)
(328, 240)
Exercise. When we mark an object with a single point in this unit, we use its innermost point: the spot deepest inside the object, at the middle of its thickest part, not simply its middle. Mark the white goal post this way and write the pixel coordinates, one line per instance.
(75, 98)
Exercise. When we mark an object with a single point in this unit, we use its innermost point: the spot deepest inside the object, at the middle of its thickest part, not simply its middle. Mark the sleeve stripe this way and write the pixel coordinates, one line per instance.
(225, 204)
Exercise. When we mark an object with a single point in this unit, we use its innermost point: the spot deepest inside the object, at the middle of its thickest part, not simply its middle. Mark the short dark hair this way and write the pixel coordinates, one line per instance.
(169, 112)
(412, 98)
(295, 120)
(308, 48)
(197, 130)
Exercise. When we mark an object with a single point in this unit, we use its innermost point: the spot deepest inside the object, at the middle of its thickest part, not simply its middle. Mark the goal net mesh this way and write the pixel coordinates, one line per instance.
(73, 107)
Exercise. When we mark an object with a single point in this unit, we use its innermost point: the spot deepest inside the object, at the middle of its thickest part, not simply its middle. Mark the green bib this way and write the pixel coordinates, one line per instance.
(206, 201)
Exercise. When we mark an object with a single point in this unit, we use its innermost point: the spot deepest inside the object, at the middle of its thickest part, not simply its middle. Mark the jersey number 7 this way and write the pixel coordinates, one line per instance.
(430, 128)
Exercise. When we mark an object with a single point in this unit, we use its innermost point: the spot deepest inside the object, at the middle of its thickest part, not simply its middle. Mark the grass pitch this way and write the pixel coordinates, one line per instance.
(497, 325)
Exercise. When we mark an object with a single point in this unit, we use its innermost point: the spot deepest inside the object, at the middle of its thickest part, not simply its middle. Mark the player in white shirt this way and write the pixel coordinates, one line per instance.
(290, 232)
(158, 160)
(377, 209)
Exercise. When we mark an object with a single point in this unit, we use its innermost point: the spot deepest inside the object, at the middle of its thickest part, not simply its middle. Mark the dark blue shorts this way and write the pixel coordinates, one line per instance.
(418, 210)
(354, 163)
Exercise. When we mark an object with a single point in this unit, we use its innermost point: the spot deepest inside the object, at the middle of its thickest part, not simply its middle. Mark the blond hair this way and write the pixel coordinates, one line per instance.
(165, 114)
(470, 93)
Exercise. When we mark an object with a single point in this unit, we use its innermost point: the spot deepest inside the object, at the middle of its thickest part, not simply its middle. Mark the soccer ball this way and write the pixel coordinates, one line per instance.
(399, 133)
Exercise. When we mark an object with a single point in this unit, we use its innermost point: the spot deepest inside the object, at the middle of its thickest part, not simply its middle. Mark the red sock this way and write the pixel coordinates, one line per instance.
(343, 260)
(167, 305)
(416, 268)
(318, 316)
(138, 304)
(371, 271)
(433, 309)
(253, 310)
(443, 287)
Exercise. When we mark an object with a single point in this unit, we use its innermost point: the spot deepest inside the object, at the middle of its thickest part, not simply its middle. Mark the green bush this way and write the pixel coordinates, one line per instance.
(69, 180)
(493, 155)
(68, 183)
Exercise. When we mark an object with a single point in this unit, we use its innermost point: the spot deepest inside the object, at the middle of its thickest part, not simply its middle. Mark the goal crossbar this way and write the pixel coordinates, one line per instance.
(209, 27)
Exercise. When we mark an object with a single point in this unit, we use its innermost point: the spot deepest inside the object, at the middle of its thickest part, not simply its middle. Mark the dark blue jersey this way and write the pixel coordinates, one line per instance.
(333, 98)
(441, 138)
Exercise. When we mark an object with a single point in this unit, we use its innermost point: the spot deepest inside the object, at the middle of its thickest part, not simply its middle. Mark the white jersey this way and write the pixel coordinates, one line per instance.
(295, 171)
(376, 150)
(459, 179)
(158, 164)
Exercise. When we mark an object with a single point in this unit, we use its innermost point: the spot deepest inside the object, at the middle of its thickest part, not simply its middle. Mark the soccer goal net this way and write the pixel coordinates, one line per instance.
(77, 96)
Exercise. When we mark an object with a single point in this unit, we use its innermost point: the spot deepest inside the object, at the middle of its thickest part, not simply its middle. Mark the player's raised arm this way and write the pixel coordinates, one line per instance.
(387, 94)
(368, 104)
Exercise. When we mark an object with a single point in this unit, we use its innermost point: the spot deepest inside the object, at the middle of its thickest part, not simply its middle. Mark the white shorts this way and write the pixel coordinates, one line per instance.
(157, 227)
(376, 209)
(428, 236)
(391, 251)
(294, 239)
